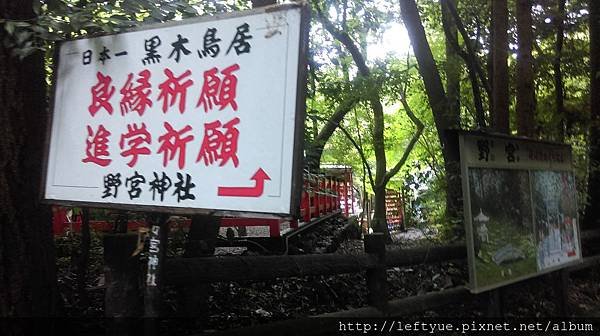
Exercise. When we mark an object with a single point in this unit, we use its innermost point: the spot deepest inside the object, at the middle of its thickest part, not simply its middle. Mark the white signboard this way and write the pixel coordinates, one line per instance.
(198, 114)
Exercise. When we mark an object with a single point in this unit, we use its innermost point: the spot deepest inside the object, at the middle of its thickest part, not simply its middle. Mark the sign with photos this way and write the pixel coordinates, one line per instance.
(520, 208)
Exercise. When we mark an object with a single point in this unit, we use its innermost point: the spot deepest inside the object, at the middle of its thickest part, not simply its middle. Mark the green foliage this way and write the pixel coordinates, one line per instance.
(334, 77)
(58, 20)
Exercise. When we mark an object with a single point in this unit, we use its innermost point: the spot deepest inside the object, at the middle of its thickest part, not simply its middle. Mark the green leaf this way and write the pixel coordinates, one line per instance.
(10, 27)
(22, 36)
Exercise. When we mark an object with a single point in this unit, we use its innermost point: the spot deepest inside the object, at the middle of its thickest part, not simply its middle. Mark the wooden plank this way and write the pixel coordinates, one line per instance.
(328, 324)
(424, 255)
(409, 305)
(239, 268)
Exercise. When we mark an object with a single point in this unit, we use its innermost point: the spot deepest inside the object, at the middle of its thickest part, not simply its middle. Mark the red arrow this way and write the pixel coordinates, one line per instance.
(259, 186)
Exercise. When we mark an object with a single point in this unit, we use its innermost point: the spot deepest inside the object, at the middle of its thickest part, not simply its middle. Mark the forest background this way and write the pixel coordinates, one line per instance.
(524, 67)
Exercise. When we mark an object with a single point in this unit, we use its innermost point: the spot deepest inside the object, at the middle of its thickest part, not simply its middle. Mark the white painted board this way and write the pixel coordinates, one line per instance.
(235, 115)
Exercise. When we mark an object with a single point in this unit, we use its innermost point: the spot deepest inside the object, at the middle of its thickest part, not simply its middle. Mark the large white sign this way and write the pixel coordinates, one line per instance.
(198, 114)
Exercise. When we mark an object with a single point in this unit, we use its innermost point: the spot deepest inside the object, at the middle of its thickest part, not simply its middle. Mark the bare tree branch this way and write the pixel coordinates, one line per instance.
(361, 153)
(355, 144)
(314, 152)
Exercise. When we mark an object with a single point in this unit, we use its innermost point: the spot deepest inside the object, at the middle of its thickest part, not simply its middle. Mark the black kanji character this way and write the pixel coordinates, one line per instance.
(111, 185)
(134, 185)
(182, 189)
(511, 150)
(239, 40)
(178, 48)
(104, 55)
(211, 44)
(151, 53)
(484, 149)
(87, 57)
(160, 185)
(121, 53)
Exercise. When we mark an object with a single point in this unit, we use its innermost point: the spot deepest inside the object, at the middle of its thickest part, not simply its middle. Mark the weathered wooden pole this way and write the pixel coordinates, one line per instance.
(121, 273)
(157, 248)
(560, 282)
(83, 257)
(495, 303)
(377, 277)
(202, 239)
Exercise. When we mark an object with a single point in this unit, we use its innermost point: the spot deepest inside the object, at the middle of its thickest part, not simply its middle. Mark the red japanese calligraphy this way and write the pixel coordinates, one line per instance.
(228, 88)
(209, 95)
(101, 94)
(173, 142)
(135, 98)
(218, 145)
(219, 91)
(132, 142)
(96, 148)
(173, 88)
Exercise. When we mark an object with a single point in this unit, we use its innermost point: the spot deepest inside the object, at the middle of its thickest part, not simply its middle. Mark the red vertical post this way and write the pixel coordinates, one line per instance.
(317, 197)
(274, 227)
(345, 192)
(352, 190)
(333, 193)
(328, 195)
(323, 194)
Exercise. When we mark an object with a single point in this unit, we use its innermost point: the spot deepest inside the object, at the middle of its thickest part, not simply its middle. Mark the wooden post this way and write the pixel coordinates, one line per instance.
(121, 274)
(368, 211)
(83, 257)
(495, 304)
(377, 277)
(560, 284)
(403, 200)
(157, 248)
(202, 239)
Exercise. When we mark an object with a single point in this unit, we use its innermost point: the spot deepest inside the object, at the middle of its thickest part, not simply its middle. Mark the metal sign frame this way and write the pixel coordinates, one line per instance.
(298, 132)
(539, 157)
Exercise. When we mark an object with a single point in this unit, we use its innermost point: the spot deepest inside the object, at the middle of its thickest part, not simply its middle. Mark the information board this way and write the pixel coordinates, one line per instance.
(200, 114)
(520, 208)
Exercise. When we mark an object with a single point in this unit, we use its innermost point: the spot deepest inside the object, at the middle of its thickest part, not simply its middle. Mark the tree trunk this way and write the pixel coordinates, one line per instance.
(315, 149)
(379, 223)
(452, 66)
(438, 102)
(28, 284)
(558, 77)
(500, 65)
(525, 88)
(378, 117)
(592, 212)
(470, 57)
